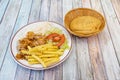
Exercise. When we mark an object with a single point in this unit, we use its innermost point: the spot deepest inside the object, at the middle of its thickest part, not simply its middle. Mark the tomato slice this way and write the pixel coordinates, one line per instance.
(57, 38)
(61, 41)
(50, 36)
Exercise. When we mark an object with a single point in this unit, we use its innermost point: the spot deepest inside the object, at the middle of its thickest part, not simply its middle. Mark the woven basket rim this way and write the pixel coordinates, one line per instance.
(81, 35)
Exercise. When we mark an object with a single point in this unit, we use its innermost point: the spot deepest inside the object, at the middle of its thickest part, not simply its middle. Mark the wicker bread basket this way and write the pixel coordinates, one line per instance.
(83, 12)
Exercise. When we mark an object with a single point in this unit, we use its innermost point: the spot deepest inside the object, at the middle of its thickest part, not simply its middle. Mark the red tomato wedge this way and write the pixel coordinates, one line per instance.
(50, 36)
(57, 38)
(61, 41)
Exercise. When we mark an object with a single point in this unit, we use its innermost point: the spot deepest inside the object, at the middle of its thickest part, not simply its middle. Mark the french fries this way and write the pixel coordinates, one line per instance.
(39, 60)
(44, 49)
(31, 62)
(45, 55)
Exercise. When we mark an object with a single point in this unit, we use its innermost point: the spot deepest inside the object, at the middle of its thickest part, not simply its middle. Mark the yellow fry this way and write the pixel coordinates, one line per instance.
(53, 53)
(39, 59)
(29, 48)
(61, 50)
(52, 47)
(35, 53)
(33, 49)
(29, 57)
(52, 62)
(24, 52)
(49, 59)
(49, 44)
(34, 62)
(43, 56)
(42, 49)
(37, 48)
(52, 50)
(31, 52)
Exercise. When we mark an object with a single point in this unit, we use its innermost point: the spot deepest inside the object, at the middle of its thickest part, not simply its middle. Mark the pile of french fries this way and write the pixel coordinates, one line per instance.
(45, 55)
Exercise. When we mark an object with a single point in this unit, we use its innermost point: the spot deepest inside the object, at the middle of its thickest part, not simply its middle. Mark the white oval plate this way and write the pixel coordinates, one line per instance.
(38, 27)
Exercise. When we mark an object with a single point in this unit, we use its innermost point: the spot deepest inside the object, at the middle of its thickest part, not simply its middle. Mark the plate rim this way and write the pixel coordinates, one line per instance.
(33, 68)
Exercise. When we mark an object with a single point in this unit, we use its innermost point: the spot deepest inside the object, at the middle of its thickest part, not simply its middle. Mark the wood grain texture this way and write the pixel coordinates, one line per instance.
(36, 75)
(8, 65)
(116, 5)
(35, 16)
(93, 58)
(107, 49)
(53, 11)
(113, 25)
(3, 6)
(59, 68)
(95, 52)
(96, 59)
(70, 65)
(45, 9)
(54, 15)
(60, 12)
(86, 4)
(83, 58)
(35, 11)
(77, 3)
(44, 16)
(21, 21)
(7, 26)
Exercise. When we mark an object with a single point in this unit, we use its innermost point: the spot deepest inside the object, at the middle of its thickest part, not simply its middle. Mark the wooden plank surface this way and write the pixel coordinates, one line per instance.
(48, 74)
(113, 25)
(7, 26)
(107, 49)
(21, 21)
(115, 4)
(70, 66)
(56, 72)
(35, 11)
(45, 9)
(3, 6)
(33, 17)
(94, 53)
(83, 58)
(93, 58)
(7, 65)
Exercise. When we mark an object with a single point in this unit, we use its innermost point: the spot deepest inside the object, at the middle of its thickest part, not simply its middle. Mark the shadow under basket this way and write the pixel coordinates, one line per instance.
(83, 12)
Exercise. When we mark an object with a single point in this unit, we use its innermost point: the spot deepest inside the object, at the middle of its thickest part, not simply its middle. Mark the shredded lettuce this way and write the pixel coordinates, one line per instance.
(54, 30)
(57, 30)
(65, 45)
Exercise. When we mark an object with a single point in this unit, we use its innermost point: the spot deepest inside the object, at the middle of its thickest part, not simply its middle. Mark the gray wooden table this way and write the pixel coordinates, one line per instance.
(93, 58)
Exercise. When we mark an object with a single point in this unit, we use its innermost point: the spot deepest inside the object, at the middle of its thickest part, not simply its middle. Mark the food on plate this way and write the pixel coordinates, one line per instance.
(85, 25)
(57, 38)
(45, 49)
(31, 40)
